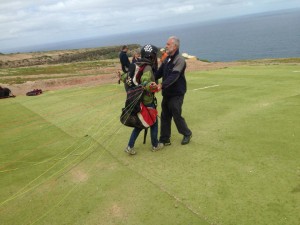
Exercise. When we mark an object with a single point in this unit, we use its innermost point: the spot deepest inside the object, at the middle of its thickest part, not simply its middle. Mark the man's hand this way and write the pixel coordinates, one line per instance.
(153, 87)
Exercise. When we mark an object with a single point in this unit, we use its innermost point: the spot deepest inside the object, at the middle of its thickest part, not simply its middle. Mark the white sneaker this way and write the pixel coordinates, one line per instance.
(158, 147)
(130, 151)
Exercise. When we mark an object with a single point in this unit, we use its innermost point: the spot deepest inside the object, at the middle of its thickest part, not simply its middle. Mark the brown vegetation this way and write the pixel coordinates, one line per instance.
(57, 57)
(101, 67)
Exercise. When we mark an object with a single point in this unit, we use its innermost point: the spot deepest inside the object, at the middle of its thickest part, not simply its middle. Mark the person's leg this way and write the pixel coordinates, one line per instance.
(155, 144)
(135, 133)
(154, 133)
(130, 148)
(166, 118)
(175, 105)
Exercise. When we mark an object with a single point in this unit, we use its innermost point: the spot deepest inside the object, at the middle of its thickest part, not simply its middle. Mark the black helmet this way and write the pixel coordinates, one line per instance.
(149, 52)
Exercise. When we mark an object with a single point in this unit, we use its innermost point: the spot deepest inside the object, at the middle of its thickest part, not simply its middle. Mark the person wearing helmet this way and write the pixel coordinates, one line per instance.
(172, 72)
(146, 67)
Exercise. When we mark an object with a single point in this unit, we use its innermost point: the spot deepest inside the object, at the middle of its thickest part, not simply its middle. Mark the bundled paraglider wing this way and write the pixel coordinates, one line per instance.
(34, 92)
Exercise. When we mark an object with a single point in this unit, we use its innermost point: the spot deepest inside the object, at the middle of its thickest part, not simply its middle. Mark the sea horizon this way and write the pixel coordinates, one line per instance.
(262, 35)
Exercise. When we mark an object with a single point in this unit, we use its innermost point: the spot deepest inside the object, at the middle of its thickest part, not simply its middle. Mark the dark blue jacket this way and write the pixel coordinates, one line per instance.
(124, 61)
(172, 72)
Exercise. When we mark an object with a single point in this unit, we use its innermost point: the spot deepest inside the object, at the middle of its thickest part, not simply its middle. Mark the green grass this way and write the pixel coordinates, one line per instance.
(273, 61)
(62, 159)
(20, 75)
(54, 69)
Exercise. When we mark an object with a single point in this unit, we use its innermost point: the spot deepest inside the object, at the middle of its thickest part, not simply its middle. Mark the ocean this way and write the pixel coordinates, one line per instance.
(264, 35)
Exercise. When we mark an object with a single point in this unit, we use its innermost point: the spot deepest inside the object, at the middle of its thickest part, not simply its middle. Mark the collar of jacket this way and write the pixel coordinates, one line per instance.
(171, 57)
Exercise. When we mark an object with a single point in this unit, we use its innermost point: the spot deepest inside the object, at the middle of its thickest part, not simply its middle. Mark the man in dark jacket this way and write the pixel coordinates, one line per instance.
(172, 72)
(124, 59)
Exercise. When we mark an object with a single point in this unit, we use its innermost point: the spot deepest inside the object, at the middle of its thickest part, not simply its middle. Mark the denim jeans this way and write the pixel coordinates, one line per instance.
(153, 133)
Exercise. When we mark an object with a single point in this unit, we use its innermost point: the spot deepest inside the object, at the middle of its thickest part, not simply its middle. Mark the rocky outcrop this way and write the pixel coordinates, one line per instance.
(187, 56)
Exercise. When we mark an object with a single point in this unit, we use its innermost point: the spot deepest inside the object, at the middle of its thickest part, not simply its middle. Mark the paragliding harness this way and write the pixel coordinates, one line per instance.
(135, 113)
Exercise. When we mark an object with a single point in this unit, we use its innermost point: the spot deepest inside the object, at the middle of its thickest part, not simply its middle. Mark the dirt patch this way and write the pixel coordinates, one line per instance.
(105, 75)
(102, 75)
(196, 65)
(79, 176)
(62, 83)
(115, 211)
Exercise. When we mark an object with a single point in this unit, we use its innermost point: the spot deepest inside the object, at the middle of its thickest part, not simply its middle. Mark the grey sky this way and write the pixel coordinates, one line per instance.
(30, 22)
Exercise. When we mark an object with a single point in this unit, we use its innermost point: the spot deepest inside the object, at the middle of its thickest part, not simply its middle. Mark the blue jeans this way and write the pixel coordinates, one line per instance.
(153, 133)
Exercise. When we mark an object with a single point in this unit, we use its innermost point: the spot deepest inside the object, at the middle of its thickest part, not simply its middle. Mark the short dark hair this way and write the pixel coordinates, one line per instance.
(124, 46)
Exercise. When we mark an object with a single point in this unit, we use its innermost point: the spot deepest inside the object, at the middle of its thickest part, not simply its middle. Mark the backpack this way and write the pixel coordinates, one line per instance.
(6, 93)
(132, 107)
(135, 113)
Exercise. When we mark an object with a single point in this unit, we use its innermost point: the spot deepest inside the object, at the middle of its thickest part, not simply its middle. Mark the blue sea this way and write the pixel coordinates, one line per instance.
(265, 35)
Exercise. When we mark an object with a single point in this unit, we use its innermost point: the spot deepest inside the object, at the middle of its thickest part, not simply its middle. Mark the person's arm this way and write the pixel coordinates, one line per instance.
(159, 73)
(147, 80)
(127, 61)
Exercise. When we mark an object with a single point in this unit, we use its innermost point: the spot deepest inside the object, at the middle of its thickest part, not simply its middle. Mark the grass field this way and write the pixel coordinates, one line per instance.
(62, 158)
(23, 74)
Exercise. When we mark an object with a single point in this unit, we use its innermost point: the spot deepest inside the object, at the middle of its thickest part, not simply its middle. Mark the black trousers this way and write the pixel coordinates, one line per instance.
(172, 108)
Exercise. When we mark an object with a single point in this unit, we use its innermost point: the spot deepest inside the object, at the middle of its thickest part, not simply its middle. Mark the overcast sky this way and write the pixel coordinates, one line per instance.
(33, 22)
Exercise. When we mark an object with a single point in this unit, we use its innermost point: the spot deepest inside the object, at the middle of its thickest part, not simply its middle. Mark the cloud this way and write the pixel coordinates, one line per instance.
(227, 2)
(26, 21)
(58, 6)
(182, 9)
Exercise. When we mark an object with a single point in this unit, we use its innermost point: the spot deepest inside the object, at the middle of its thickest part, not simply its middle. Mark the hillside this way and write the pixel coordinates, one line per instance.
(62, 56)
(54, 70)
